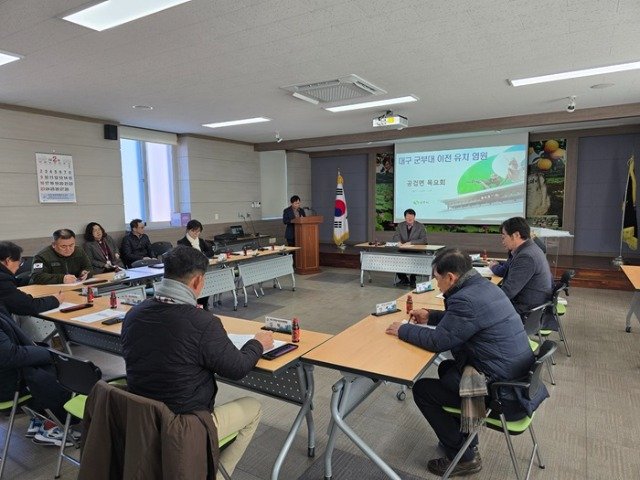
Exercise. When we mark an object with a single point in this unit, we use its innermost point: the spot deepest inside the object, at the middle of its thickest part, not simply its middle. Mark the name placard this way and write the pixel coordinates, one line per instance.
(278, 324)
(386, 307)
(423, 287)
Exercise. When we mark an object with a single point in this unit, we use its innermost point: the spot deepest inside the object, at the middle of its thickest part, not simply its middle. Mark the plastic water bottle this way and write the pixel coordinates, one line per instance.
(113, 300)
(409, 303)
(89, 295)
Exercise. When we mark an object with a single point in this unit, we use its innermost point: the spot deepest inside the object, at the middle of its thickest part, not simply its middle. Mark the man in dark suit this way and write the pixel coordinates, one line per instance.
(290, 213)
(136, 244)
(410, 232)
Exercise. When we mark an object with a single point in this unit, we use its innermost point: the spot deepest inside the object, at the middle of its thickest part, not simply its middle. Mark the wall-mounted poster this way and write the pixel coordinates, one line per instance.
(56, 181)
(545, 182)
(384, 192)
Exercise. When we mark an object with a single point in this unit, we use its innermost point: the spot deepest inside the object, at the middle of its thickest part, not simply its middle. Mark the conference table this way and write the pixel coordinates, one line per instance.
(633, 274)
(409, 259)
(286, 378)
(365, 356)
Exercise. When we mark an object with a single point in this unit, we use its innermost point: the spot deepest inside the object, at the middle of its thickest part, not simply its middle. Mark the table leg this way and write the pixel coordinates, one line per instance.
(63, 339)
(348, 393)
(362, 278)
(634, 309)
(305, 376)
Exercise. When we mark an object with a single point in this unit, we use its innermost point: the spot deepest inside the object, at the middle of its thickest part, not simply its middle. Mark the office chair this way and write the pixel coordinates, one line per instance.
(533, 326)
(78, 376)
(11, 405)
(529, 388)
(558, 309)
(160, 248)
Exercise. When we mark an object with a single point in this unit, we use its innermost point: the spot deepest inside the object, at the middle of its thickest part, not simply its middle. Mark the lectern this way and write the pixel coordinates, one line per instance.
(307, 238)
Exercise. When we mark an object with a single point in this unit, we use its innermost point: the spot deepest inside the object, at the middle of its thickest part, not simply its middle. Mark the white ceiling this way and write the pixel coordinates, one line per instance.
(214, 60)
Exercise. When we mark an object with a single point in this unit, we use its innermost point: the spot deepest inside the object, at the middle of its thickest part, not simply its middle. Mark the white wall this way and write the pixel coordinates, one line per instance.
(299, 178)
(97, 169)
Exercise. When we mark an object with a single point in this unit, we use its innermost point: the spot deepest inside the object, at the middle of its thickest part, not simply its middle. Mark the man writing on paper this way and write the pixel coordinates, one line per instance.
(61, 262)
(527, 281)
(481, 328)
(410, 232)
(172, 350)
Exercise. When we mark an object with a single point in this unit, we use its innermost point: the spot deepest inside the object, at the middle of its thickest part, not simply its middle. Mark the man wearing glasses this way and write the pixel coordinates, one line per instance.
(136, 244)
(61, 262)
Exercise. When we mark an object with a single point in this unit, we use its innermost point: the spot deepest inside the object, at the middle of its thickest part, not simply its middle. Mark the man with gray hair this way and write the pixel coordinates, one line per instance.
(61, 262)
(173, 350)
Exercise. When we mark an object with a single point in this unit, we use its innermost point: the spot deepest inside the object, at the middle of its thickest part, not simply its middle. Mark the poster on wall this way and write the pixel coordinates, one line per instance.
(56, 181)
(384, 192)
(545, 182)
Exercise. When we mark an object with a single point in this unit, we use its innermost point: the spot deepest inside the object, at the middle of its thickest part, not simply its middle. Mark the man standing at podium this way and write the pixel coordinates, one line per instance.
(291, 213)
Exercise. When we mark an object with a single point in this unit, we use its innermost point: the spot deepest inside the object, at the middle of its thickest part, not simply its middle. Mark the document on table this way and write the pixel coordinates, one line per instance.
(484, 271)
(423, 325)
(239, 340)
(100, 316)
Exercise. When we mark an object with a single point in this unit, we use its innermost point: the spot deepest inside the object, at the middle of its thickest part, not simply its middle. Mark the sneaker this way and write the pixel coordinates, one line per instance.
(438, 466)
(53, 437)
(35, 424)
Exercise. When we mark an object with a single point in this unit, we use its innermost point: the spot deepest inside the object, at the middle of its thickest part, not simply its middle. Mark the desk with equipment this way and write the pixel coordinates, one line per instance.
(409, 259)
(365, 356)
(285, 378)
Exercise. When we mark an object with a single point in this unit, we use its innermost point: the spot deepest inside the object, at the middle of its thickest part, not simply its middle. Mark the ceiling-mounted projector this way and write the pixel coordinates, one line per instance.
(391, 120)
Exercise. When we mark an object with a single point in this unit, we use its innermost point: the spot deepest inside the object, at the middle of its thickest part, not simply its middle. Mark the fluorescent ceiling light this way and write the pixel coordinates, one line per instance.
(111, 13)
(587, 72)
(237, 122)
(6, 57)
(376, 103)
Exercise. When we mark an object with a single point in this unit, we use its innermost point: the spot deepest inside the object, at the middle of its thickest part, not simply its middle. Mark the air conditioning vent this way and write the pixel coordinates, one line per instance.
(336, 90)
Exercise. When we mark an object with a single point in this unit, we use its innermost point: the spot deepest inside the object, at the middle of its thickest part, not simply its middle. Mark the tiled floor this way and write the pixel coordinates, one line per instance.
(587, 429)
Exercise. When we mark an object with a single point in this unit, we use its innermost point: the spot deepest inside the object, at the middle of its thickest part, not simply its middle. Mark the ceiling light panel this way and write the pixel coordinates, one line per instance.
(587, 72)
(112, 13)
(6, 57)
(231, 123)
(377, 103)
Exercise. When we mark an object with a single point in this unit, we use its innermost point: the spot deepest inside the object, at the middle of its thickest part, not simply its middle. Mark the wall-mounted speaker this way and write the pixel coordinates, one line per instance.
(110, 132)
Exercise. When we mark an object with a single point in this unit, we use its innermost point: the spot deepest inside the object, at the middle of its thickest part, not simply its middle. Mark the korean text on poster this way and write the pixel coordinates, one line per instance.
(56, 181)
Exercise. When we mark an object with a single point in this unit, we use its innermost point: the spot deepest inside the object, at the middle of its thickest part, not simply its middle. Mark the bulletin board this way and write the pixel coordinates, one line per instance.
(56, 180)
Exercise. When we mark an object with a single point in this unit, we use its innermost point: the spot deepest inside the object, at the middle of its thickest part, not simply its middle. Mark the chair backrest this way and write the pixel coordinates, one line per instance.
(75, 374)
(535, 375)
(533, 322)
(25, 266)
(160, 248)
(563, 283)
(145, 262)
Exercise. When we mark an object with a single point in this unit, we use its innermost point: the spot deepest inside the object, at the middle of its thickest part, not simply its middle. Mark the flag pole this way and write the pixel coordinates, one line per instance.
(619, 261)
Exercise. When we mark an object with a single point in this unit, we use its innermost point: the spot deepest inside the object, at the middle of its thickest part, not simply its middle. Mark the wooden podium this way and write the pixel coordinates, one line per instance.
(307, 238)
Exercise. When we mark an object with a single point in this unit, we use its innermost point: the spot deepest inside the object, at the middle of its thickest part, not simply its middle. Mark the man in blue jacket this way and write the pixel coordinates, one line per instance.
(481, 328)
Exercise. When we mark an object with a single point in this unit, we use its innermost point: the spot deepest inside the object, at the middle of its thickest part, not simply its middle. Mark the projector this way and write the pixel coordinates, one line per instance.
(395, 121)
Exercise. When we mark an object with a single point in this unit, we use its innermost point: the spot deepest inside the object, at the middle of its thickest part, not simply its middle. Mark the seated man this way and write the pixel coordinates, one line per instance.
(527, 281)
(61, 262)
(410, 232)
(17, 352)
(172, 350)
(13, 300)
(481, 328)
(136, 244)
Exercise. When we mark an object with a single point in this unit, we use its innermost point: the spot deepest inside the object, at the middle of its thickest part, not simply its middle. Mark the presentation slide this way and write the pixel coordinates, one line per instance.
(483, 184)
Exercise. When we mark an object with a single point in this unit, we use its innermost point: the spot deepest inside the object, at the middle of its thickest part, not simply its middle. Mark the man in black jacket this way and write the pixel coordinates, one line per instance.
(17, 352)
(13, 300)
(172, 350)
(136, 244)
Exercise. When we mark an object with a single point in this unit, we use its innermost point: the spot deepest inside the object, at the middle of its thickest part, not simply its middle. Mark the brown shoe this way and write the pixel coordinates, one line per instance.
(438, 466)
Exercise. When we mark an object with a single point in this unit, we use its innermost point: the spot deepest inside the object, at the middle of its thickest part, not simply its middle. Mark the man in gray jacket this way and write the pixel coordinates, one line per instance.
(410, 232)
(527, 282)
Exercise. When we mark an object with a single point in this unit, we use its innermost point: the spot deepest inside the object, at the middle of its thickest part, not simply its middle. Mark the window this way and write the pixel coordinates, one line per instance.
(147, 181)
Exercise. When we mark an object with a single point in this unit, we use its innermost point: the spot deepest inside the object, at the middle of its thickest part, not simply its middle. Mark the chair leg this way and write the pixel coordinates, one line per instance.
(536, 446)
(223, 472)
(563, 337)
(5, 449)
(512, 452)
(67, 423)
(458, 456)
(550, 370)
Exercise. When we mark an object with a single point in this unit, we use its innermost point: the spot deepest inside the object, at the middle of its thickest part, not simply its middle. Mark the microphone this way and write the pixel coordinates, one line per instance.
(310, 209)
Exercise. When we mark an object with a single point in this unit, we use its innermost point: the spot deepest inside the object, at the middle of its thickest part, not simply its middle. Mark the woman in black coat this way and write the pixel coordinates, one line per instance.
(192, 239)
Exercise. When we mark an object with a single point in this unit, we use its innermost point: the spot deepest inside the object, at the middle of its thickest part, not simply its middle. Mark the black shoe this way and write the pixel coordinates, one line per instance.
(438, 466)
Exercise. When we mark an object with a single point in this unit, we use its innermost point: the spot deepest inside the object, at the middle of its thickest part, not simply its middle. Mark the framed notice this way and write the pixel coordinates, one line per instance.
(56, 181)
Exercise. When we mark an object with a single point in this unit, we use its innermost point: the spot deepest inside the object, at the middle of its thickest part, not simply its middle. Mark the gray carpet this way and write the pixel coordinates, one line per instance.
(332, 277)
(348, 467)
